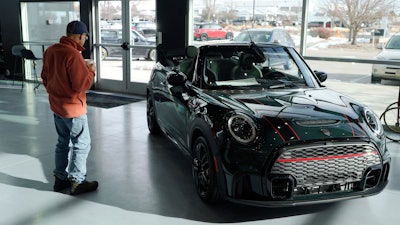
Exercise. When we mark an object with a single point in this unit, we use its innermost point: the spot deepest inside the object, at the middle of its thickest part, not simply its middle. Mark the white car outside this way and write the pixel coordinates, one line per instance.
(389, 52)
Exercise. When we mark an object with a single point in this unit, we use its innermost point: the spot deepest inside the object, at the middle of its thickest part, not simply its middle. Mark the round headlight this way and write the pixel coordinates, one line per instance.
(242, 128)
(373, 121)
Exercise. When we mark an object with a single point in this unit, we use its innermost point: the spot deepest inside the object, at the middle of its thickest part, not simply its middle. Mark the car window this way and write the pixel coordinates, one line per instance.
(244, 36)
(272, 67)
(261, 36)
(111, 36)
(255, 36)
(394, 42)
(215, 26)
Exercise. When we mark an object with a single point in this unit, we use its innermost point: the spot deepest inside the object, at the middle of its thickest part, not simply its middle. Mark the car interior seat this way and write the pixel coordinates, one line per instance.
(246, 67)
(187, 65)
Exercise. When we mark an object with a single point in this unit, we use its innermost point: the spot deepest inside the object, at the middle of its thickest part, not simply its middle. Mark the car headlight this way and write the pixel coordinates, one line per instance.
(373, 121)
(242, 128)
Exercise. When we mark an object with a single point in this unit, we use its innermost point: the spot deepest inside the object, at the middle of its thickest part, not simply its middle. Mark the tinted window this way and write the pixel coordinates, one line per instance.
(394, 42)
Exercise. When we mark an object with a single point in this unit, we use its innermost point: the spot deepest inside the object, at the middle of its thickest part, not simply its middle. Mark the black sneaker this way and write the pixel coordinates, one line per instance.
(60, 185)
(85, 186)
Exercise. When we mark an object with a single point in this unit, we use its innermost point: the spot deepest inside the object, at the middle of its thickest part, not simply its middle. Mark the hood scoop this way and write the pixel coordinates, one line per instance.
(316, 123)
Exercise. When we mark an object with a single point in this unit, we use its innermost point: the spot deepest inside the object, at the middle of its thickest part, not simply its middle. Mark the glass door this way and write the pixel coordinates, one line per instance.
(125, 44)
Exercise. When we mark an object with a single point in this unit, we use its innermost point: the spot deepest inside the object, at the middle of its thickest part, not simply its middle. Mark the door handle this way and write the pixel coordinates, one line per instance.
(125, 46)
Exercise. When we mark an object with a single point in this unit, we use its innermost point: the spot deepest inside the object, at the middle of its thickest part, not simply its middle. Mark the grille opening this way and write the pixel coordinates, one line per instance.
(243, 188)
(371, 178)
(282, 187)
(323, 189)
(385, 173)
(326, 169)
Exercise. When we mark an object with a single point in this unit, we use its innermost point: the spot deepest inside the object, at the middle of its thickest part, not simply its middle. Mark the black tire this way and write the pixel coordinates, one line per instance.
(375, 80)
(152, 55)
(229, 36)
(204, 173)
(104, 53)
(204, 37)
(152, 123)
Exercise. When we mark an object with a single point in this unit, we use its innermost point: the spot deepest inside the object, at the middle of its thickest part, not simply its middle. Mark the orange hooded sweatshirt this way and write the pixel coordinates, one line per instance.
(66, 78)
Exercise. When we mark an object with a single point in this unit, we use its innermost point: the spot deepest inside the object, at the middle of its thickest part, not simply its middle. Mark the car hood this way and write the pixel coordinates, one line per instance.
(389, 54)
(299, 115)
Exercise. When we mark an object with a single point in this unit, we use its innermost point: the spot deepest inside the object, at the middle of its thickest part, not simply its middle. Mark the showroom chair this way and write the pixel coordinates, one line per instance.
(16, 52)
(28, 55)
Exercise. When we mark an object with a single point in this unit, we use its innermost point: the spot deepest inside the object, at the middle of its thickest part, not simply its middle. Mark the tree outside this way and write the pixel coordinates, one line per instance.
(356, 15)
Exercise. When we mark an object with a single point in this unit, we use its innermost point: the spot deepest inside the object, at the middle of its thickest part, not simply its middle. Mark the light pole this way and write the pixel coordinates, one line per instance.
(254, 7)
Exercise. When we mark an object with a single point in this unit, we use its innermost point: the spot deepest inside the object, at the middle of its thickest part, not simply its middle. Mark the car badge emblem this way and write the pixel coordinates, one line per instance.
(326, 132)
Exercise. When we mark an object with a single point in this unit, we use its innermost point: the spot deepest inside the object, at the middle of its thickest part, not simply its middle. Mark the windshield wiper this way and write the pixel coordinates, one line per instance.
(274, 84)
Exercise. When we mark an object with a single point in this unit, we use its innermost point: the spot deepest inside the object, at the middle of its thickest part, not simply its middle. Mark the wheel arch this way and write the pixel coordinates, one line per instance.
(200, 128)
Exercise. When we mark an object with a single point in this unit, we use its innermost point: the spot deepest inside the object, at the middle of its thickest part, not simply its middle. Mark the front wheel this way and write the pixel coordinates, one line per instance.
(204, 37)
(229, 36)
(152, 123)
(375, 80)
(104, 53)
(152, 55)
(204, 173)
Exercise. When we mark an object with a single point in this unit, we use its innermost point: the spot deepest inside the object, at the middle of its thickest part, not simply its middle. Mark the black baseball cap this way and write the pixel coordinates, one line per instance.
(77, 27)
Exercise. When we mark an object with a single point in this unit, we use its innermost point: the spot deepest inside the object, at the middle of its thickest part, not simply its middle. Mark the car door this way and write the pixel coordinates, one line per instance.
(171, 107)
(138, 41)
(218, 31)
(162, 100)
(179, 113)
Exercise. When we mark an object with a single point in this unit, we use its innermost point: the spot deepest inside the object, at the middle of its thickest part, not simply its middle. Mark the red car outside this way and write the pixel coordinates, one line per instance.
(209, 31)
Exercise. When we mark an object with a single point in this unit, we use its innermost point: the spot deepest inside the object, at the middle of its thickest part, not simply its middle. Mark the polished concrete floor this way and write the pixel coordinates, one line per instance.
(145, 179)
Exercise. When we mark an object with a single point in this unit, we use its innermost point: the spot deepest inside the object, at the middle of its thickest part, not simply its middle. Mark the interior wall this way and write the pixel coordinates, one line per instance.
(10, 29)
(171, 24)
(171, 17)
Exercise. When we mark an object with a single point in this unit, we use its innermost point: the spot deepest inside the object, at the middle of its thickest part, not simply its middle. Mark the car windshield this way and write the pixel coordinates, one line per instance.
(266, 67)
(394, 42)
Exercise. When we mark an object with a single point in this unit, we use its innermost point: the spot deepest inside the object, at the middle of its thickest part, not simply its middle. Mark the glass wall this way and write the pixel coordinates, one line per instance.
(126, 44)
(346, 35)
(43, 23)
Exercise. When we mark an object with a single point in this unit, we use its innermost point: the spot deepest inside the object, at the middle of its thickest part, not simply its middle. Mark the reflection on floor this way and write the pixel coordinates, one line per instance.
(143, 179)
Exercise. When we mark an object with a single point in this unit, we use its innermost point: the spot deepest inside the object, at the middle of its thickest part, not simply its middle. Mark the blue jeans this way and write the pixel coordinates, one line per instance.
(76, 131)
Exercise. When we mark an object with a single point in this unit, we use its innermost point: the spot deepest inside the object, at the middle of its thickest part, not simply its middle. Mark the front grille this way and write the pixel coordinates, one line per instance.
(327, 165)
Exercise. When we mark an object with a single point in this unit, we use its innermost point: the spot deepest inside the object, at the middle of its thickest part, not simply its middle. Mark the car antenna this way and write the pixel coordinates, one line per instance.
(251, 40)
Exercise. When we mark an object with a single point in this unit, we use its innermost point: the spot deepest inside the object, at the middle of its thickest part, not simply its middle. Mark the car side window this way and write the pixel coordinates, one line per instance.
(394, 43)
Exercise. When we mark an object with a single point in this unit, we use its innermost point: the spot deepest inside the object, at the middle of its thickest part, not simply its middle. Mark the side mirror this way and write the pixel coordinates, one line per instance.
(322, 76)
(176, 78)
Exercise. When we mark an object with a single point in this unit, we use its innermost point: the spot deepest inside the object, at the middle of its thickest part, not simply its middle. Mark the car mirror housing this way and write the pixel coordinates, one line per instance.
(176, 78)
(322, 76)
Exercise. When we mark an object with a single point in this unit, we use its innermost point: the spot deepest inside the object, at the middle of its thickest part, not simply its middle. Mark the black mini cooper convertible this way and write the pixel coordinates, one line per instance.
(261, 129)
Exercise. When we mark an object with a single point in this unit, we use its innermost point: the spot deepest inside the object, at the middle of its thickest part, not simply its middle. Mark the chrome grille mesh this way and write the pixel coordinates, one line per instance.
(327, 164)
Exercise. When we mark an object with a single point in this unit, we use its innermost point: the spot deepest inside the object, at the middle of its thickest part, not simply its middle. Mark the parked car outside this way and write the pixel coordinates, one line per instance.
(210, 31)
(261, 129)
(143, 47)
(265, 35)
(391, 51)
(145, 28)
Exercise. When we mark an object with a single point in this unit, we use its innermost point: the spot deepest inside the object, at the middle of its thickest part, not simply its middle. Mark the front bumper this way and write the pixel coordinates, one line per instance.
(388, 72)
(312, 200)
(312, 174)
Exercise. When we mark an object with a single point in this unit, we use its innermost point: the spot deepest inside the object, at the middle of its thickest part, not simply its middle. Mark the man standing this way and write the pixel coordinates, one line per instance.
(66, 77)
